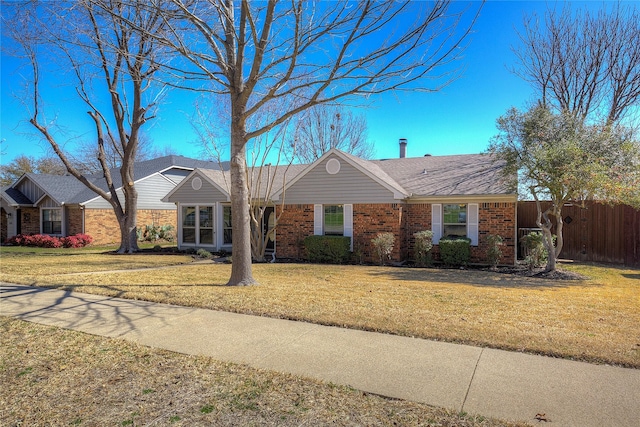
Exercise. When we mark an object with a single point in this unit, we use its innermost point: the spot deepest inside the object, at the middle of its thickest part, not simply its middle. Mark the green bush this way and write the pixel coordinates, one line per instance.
(494, 253)
(203, 253)
(383, 244)
(423, 246)
(153, 233)
(535, 254)
(455, 251)
(328, 249)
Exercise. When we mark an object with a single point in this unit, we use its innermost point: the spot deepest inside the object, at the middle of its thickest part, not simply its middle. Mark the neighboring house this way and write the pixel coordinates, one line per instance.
(340, 194)
(63, 206)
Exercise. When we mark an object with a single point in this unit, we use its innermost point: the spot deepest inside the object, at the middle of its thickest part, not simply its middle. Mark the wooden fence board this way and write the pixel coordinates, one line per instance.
(596, 232)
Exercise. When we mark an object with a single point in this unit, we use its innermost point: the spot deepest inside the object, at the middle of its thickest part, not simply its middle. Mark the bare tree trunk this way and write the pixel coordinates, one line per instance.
(545, 224)
(241, 268)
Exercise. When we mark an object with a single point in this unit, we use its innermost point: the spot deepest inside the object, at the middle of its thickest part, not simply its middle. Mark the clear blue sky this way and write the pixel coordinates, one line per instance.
(458, 120)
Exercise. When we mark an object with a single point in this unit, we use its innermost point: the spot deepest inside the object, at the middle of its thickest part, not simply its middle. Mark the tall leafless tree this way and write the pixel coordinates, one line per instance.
(324, 127)
(107, 47)
(587, 63)
(300, 54)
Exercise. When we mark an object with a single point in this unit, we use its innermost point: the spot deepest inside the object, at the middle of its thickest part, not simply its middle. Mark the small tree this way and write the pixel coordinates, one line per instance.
(562, 158)
(423, 246)
(494, 251)
(383, 244)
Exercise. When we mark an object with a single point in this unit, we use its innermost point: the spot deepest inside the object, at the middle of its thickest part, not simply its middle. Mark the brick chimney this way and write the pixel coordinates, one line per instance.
(403, 148)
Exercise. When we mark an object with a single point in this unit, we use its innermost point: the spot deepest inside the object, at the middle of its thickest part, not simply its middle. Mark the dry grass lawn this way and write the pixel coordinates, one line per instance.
(55, 377)
(595, 320)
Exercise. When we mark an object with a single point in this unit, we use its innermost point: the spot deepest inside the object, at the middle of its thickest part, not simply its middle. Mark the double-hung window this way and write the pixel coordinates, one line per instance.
(454, 220)
(52, 221)
(333, 220)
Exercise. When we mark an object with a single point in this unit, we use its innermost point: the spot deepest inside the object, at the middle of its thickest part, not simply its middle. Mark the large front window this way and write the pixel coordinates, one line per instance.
(52, 221)
(454, 220)
(334, 220)
(198, 225)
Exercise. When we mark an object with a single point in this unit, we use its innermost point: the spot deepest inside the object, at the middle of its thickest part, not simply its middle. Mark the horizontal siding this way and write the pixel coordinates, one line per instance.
(207, 194)
(176, 175)
(349, 185)
(150, 194)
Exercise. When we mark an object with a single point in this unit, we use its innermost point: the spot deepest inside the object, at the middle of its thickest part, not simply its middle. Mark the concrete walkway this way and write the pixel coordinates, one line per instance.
(508, 385)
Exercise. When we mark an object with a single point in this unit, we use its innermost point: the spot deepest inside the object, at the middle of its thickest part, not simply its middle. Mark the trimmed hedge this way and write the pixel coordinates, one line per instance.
(328, 249)
(455, 252)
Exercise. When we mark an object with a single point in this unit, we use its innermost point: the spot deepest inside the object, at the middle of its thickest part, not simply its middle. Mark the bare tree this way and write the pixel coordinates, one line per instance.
(10, 172)
(301, 54)
(583, 62)
(107, 48)
(324, 127)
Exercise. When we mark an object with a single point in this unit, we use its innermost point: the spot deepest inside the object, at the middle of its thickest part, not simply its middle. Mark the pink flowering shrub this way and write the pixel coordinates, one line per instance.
(46, 241)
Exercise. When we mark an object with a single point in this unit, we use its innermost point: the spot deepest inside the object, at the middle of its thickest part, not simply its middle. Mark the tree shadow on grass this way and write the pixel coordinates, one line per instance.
(478, 277)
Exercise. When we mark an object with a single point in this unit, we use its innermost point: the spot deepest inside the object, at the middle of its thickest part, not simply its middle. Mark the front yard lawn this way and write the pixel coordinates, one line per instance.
(595, 320)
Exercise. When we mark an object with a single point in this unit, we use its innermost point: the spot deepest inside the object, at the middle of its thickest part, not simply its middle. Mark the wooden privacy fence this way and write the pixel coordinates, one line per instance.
(597, 232)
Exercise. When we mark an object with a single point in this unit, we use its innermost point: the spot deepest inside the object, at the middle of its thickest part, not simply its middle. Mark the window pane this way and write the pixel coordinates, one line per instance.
(206, 236)
(455, 230)
(228, 236)
(52, 221)
(188, 235)
(206, 216)
(334, 220)
(189, 216)
(454, 214)
(227, 216)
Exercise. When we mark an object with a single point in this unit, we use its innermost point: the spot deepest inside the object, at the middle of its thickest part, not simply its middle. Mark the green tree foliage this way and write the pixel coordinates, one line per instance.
(562, 158)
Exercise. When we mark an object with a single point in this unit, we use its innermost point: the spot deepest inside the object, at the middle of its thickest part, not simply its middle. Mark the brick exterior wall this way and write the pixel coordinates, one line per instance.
(74, 220)
(295, 223)
(403, 220)
(500, 219)
(30, 221)
(369, 220)
(102, 225)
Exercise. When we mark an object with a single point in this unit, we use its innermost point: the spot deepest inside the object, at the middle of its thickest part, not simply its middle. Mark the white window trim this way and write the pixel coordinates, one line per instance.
(473, 220)
(318, 220)
(197, 226)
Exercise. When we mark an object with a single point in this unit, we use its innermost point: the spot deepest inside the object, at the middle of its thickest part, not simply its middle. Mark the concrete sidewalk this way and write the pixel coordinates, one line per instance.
(508, 385)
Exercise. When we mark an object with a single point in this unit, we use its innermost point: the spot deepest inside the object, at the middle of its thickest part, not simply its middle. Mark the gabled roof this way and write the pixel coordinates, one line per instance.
(367, 167)
(15, 197)
(408, 178)
(270, 178)
(61, 188)
(66, 189)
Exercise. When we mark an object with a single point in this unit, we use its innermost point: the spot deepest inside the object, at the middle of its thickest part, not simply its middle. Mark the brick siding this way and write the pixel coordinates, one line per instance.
(74, 220)
(403, 220)
(30, 221)
(294, 224)
(102, 225)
